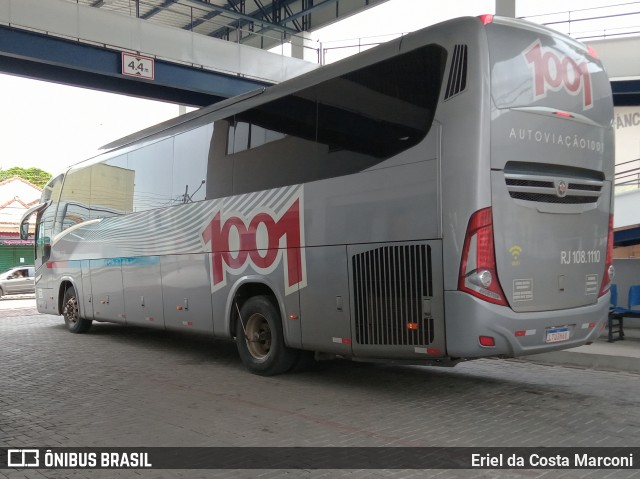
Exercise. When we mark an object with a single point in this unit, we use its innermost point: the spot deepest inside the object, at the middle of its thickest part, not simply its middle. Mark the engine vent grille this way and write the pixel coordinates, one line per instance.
(458, 72)
(390, 286)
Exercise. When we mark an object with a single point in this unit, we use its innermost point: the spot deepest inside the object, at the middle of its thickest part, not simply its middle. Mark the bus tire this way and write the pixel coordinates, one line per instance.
(262, 348)
(71, 313)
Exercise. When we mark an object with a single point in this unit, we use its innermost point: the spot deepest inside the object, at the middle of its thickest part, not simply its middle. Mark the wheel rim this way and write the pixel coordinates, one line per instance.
(71, 311)
(258, 336)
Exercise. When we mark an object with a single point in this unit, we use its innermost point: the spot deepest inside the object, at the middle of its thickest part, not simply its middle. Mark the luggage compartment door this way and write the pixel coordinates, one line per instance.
(143, 291)
(106, 286)
(186, 292)
(326, 323)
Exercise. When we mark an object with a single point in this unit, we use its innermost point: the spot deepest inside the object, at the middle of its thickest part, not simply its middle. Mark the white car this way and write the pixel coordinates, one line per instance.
(18, 280)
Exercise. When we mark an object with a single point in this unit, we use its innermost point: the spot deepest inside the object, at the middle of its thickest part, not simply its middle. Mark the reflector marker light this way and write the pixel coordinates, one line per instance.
(592, 52)
(588, 325)
(428, 351)
(487, 341)
(149, 318)
(187, 323)
(342, 340)
(525, 332)
(413, 326)
(486, 19)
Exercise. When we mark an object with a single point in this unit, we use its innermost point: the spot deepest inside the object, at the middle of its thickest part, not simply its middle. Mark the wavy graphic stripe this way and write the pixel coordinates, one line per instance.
(174, 230)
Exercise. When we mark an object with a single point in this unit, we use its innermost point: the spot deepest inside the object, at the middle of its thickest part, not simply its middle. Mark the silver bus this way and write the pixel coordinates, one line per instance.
(441, 197)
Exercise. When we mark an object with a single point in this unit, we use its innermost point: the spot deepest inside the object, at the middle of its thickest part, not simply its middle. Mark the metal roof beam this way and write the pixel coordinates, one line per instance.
(266, 13)
(212, 14)
(306, 11)
(302, 13)
(262, 8)
(206, 6)
(158, 9)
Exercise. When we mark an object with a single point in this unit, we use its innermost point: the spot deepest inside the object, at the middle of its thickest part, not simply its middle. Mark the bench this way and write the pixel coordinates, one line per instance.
(618, 313)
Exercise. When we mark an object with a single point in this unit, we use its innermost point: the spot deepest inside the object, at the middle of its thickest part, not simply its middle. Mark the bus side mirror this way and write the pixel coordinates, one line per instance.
(24, 222)
(24, 230)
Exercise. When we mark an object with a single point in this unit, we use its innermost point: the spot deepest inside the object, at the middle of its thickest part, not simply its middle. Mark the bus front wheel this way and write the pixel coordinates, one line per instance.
(260, 339)
(71, 313)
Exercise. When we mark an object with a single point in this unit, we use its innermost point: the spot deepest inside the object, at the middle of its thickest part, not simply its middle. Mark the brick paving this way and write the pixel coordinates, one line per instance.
(120, 386)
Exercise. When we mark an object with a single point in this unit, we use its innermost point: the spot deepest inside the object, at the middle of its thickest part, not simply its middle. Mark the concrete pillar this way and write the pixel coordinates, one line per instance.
(506, 8)
(303, 47)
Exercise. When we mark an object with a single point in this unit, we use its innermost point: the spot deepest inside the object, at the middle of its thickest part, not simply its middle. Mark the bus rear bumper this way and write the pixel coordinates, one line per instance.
(517, 334)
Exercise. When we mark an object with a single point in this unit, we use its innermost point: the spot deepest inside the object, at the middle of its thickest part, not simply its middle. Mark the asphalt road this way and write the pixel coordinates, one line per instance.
(132, 387)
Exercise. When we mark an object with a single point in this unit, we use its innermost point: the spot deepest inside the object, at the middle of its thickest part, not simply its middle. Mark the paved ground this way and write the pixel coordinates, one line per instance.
(119, 386)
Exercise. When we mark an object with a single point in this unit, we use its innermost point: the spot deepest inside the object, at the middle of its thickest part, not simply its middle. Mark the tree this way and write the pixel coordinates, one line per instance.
(33, 175)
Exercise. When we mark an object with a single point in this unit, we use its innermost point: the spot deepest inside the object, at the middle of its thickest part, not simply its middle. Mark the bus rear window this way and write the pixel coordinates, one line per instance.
(533, 67)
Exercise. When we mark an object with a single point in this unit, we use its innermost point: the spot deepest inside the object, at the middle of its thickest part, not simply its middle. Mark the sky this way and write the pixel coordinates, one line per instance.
(52, 126)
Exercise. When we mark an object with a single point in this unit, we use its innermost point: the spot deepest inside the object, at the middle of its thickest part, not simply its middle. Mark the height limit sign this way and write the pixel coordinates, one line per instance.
(137, 66)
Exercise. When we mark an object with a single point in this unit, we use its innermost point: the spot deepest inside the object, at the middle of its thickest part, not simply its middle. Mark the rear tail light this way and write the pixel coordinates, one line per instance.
(478, 275)
(609, 269)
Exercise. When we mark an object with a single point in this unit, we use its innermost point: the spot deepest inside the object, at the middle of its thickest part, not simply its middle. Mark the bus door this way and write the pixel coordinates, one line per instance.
(45, 215)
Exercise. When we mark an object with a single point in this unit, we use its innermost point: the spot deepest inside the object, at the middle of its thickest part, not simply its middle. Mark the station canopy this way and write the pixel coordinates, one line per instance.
(260, 23)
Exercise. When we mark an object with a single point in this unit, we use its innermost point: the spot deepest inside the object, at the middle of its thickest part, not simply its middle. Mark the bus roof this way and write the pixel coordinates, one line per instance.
(256, 97)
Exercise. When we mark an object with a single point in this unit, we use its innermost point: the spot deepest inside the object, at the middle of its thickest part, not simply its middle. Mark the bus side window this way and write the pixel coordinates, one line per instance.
(44, 233)
(112, 185)
(339, 127)
(74, 214)
(149, 172)
(219, 177)
(291, 152)
(190, 157)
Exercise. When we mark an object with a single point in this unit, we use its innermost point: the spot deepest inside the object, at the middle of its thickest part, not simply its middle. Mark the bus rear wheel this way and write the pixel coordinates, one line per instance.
(260, 339)
(71, 313)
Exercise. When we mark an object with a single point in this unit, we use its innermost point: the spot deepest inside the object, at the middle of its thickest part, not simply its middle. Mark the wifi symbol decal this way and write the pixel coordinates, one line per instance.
(515, 251)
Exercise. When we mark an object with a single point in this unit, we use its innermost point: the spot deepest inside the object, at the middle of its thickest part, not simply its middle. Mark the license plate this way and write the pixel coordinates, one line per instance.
(555, 335)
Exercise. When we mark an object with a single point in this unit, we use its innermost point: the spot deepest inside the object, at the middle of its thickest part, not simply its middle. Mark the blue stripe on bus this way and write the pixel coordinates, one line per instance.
(107, 262)
(137, 261)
